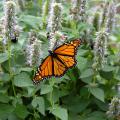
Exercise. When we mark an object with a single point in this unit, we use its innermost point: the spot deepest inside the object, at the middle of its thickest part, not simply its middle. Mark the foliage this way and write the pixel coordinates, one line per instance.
(81, 94)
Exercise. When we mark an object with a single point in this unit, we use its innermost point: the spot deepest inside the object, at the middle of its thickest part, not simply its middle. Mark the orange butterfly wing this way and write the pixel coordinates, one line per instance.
(68, 61)
(67, 52)
(57, 66)
(44, 70)
(68, 49)
(49, 67)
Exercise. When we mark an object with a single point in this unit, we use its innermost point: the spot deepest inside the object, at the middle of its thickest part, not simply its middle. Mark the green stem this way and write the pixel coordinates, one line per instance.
(51, 94)
(9, 55)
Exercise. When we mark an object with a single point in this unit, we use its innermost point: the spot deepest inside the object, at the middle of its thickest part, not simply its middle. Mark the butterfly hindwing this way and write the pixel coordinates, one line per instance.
(59, 68)
(67, 60)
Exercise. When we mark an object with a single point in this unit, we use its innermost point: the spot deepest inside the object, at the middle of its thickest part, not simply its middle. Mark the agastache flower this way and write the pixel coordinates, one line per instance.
(54, 24)
(110, 18)
(21, 4)
(74, 11)
(54, 20)
(96, 22)
(100, 50)
(104, 14)
(33, 50)
(11, 29)
(9, 8)
(45, 10)
(82, 10)
(114, 109)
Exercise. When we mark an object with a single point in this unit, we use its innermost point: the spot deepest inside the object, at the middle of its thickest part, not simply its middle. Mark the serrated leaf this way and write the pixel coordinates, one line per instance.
(60, 112)
(33, 21)
(4, 98)
(21, 111)
(5, 110)
(106, 75)
(3, 57)
(22, 80)
(46, 89)
(5, 77)
(97, 92)
(26, 69)
(39, 104)
(107, 68)
(87, 73)
(97, 115)
(82, 63)
(12, 116)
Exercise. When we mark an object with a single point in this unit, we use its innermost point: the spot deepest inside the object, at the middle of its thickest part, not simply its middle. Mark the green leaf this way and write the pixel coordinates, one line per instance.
(21, 111)
(60, 112)
(106, 75)
(26, 69)
(39, 104)
(3, 57)
(22, 80)
(78, 106)
(82, 52)
(87, 73)
(31, 91)
(46, 89)
(5, 77)
(4, 98)
(12, 116)
(33, 21)
(97, 115)
(107, 68)
(103, 106)
(82, 63)
(5, 110)
(97, 92)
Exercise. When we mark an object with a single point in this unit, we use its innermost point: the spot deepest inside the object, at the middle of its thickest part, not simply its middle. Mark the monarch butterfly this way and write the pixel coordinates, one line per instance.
(58, 61)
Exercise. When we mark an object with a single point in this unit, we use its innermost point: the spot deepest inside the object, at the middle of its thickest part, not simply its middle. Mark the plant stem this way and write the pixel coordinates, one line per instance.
(9, 55)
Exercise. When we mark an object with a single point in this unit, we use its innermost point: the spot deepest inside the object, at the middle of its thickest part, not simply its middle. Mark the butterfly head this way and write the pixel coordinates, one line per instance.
(52, 53)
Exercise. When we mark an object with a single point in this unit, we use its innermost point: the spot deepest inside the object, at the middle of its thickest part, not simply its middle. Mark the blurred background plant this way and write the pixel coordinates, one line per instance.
(29, 28)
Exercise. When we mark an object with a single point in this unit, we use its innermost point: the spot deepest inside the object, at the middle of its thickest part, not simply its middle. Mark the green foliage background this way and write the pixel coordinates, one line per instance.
(80, 94)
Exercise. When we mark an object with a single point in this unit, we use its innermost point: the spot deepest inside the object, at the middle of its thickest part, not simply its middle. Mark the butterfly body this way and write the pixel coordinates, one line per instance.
(58, 61)
(52, 53)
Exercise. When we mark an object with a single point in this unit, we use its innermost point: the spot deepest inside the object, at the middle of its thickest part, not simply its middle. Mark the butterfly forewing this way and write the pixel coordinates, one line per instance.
(68, 49)
(44, 70)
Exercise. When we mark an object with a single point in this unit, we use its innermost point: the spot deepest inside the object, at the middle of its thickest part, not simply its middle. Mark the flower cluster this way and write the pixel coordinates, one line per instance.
(45, 9)
(78, 10)
(21, 4)
(1, 35)
(114, 108)
(10, 28)
(82, 10)
(56, 39)
(54, 25)
(100, 50)
(54, 19)
(96, 21)
(74, 11)
(110, 17)
(104, 14)
(33, 50)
